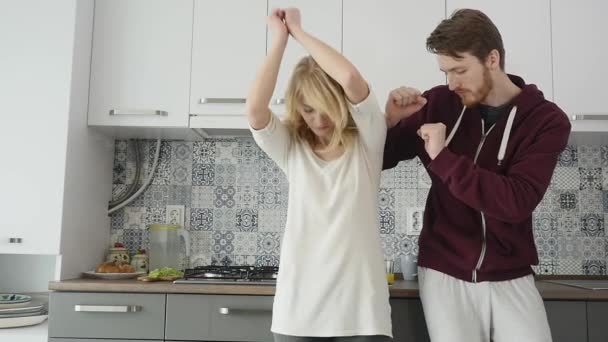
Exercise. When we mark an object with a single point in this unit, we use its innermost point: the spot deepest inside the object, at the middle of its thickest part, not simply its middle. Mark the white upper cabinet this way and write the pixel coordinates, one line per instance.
(580, 53)
(321, 18)
(386, 41)
(229, 44)
(140, 72)
(525, 27)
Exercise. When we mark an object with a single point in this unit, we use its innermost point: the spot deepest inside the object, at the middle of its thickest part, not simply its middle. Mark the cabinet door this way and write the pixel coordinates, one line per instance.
(526, 36)
(408, 321)
(579, 56)
(218, 318)
(140, 68)
(229, 44)
(321, 18)
(387, 43)
(596, 321)
(36, 74)
(567, 320)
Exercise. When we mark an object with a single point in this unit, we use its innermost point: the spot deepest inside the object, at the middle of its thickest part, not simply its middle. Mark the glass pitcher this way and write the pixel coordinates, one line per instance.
(165, 243)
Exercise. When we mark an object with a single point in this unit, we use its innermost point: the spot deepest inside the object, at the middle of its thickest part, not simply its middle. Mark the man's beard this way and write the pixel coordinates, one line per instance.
(472, 99)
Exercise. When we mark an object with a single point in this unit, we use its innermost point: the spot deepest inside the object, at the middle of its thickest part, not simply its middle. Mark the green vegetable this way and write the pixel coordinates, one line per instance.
(165, 272)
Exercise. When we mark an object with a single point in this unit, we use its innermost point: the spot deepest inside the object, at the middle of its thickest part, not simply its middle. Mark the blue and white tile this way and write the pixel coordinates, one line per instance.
(272, 197)
(591, 178)
(269, 243)
(203, 174)
(592, 225)
(224, 197)
(222, 242)
(590, 201)
(570, 266)
(116, 236)
(201, 219)
(117, 220)
(570, 248)
(245, 243)
(119, 173)
(179, 195)
(547, 247)
(182, 151)
(120, 146)
(405, 244)
(387, 221)
(200, 260)
(423, 194)
(203, 197)
(118, 190)
(181, 173)
(223, 259)
(549, 203)
(134, 239)
(226, 151)
(605, 178)
(569, 225)
(156, 215)
(566, 178)
(204, 152)
(387, 179)
(593, 247)
(224, 219)
(569, 157)
(386, 199)
(270, 174)
(200, 243)
(248, 174)
(546, 223)
(247, 220)
(267, 260)
(162, 174)
(225, 174)
(594, 267)
(589, 156)
(248, 151)
(247, 196)
(406, 175)
(566, 201)
(547, 267)
(272, 220)
(604, 156)
(605, 200)
(135, 217)
(156, 196)
(390, 246)
(249, 260)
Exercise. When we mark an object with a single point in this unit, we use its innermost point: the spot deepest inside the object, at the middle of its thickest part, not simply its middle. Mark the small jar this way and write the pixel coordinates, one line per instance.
(119, 254)
(140, 262)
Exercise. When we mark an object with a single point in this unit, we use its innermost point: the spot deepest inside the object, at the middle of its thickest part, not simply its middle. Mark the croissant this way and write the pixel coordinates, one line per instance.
(114, 267)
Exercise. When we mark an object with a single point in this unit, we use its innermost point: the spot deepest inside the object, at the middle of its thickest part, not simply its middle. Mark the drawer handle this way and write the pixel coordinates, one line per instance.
(589, 117)
(278, 101)
(107, 308)
(222, 100)
(228, 311)
(138, 112)
(15, 240)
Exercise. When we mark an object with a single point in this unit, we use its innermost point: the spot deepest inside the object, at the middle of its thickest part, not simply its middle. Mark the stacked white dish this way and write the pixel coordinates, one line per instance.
(19, 310)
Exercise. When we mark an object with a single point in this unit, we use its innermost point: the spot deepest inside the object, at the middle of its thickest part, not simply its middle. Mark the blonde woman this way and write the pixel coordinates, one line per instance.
(331, 283)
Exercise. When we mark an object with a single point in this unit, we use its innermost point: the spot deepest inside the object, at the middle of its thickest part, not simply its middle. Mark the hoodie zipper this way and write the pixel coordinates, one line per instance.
(484, 135)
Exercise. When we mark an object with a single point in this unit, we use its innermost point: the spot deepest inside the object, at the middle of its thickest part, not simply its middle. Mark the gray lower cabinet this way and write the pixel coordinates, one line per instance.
(106, 316)
(218, 318)
(597, 321)
(93, 340)
(567, 320)
(408, 321)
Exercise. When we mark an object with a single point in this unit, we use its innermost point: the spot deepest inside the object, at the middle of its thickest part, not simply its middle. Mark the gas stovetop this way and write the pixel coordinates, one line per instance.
(245, 275)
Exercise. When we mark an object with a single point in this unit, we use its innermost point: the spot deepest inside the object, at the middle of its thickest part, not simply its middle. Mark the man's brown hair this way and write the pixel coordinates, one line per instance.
(467, 30)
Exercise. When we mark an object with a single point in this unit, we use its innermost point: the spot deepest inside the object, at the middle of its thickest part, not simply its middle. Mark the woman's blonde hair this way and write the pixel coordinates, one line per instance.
(312, 86)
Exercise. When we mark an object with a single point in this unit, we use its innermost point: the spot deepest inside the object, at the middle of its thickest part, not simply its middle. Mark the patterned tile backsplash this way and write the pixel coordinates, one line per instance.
(235, 202)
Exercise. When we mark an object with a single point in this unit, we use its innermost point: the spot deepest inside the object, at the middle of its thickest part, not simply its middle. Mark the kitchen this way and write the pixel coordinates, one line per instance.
(79, 60)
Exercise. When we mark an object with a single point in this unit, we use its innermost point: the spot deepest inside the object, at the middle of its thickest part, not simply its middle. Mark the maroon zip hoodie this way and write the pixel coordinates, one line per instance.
(478, 218)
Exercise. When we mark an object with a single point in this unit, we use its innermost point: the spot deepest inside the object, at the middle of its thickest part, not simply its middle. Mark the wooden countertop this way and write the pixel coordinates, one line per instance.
(400, 289)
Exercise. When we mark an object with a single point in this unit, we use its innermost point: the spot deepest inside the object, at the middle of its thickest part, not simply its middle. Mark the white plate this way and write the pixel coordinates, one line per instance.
(25, 314)
(14, 298)
(91, 274)
(22, 309)
(21, 321)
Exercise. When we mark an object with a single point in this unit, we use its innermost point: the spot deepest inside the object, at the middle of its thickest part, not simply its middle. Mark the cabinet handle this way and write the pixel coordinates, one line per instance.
(107, 308)
(221, 100)
(15, 240)
(138, 112)
(589, 117)
(228, 311)
(278, 101)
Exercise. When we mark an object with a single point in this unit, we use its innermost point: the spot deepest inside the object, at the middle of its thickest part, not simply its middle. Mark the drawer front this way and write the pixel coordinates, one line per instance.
(219, 318)
(91, 340)
(107, 315)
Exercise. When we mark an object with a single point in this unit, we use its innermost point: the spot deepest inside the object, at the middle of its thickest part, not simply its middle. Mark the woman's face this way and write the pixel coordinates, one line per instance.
(317, 121)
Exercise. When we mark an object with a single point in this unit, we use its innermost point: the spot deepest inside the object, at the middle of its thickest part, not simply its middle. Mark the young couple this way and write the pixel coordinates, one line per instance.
(489, 142)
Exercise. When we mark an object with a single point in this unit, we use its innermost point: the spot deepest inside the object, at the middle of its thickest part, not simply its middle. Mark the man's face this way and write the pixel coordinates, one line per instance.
(467, 77)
